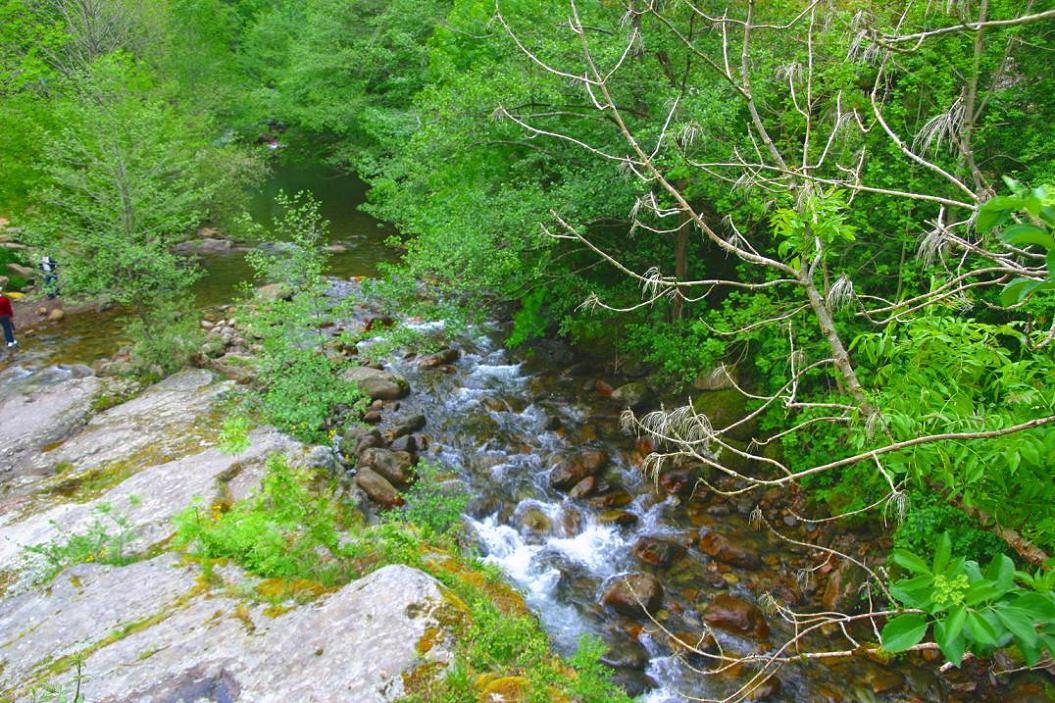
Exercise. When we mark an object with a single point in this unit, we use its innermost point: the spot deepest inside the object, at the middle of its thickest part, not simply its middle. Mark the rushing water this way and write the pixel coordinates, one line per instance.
(503, 422)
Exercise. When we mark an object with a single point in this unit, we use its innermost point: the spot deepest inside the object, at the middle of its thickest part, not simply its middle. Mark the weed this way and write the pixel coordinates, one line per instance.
(105, 541)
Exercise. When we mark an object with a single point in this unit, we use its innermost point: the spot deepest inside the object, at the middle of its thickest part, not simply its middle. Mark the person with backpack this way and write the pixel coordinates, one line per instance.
(7, 320)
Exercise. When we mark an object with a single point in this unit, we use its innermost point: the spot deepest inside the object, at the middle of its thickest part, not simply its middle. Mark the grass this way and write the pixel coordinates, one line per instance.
(105, 541)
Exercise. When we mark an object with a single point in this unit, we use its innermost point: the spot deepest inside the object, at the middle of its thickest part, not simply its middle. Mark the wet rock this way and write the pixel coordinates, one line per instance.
(583, 488)
(765, 690)
(393, 466)
(373, 417)
(378, 488)
(633, 594)
(534, 524)
(406, 443)
(359, 437)
(635, 394)
(237, 367)
(616, 498)
(842, 591)
(575, 468)
(626, 654)
(408, 426)
(732, 614)
(493, 404)
(723, 549)
(571, 521)
(604, 388)
(634, 682)
(678, 481)
(657, 552)
(56, 315)
(447, 356)
(621, 518)
(377, 384)
(723, 408)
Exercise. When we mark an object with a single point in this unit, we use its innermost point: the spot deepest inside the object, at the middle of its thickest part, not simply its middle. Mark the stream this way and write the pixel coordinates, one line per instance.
(503, 420)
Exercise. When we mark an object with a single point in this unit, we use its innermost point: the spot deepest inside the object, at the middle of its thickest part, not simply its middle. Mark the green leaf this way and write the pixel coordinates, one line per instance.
(1001, 570)
(1019, 622)
(903, 632)
(910, 561)
(1024, 234)
(1017, 290)
(980, 630)
(942, 553)
(948, 633)
(914, 592)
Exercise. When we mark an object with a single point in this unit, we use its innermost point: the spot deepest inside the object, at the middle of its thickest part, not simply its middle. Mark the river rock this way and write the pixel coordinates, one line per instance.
(408, 426)
(20, 270)
(447, 356)
(632, 395)
(378, 488)
(732, 614)
(377, 384)
(56, 315)
(842, 591)
(721, 548)
(657, 552)
(620, 518)
(633, 594)
(406, 443)
(765, 690)
(612, 498)
(583, 488)
(626, 654)
(725, 407)
(274, 291)
(394, 466)
(575, 468)
(678, 481)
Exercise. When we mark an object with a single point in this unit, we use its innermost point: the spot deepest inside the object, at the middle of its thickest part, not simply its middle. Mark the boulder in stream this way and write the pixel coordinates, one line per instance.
(635, 394)
(657, 552)
(633, 594)
(721, 548)
(573, 469)
(377, 384)
(378, 488)
(732, 614)
(394, 466)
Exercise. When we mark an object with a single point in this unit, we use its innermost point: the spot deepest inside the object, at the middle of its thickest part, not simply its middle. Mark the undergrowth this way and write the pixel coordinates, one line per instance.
(105, 541)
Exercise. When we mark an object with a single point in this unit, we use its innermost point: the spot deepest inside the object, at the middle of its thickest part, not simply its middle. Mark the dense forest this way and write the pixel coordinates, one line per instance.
(841, 214)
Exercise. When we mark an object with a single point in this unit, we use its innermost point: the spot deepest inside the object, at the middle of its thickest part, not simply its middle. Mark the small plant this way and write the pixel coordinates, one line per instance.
(285, 531)
(433, 504)
(106, 542)
(972, 610)
(234, 435)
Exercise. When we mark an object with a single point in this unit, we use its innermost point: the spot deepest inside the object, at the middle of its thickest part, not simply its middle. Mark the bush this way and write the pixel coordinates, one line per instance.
(433, 504)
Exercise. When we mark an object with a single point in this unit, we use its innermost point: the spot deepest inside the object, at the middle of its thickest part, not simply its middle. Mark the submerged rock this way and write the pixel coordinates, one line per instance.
(721, 548)
(633, 594)
(657, 552)
(733, 614)
(575, 468)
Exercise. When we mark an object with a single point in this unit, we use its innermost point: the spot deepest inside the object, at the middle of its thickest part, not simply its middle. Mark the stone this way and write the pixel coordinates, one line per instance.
(633, 594)
(377, 384)
(56, 315)
(620, 518)
(616, 498)
(842, 590)
(635, 394)
(394, 466)
(570, 471)
(377, 488)
(657, 552)
(180, 644)
(626, 654)
(721, 548)
(732, 614)
(719, 378)
(20, 270)
(678, 481)
(583, 488)
(724, 408)
(765, 690)
(274, 291)
(408, 426)
(406, 443)
(447, 356)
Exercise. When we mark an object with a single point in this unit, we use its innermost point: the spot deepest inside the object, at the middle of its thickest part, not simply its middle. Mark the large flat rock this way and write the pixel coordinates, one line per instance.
(147, 634)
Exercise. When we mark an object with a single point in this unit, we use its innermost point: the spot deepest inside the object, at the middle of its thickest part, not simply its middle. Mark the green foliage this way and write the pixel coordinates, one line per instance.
(234, 435)
(435, 503)
(286, 530)
(303, 389)
(105, 542)
(1038, 206)
(971, 609)
(820, 216)
(929, 517)
(165, 337)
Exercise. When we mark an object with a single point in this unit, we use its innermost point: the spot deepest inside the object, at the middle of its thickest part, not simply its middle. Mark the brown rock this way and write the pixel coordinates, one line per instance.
(732, 614)
(633, 594)
(56, 314)
(657, 552)
(575, 468)
(583, 488)
(721, 548)
(622, 518)
(442, 358)
(377, 488)
(394, 466)
(843, 587)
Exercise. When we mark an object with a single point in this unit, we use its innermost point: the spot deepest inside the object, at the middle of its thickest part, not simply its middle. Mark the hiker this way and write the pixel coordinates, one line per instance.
(7, 320)
(51, 277)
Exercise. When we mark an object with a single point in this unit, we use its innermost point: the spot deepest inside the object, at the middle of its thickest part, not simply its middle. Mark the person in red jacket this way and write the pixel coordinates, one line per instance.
(7, 320)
